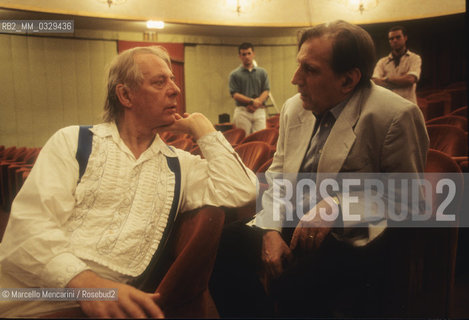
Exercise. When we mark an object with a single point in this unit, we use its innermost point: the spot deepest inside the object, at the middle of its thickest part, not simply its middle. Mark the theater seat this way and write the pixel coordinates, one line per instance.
(263, 168)
(422, 258)
(273, 121)
(433, 250)
(165, 135)
(435, 104)
(460, 112)
(464, 166)
(17, 155)
(268, 136)
(453, 120)
(171, 136)
(196, 151)
(234, 136)
(438, 161)
(191, 254)
(438, 97)
(7, 153)
(183, 143)
(254, 154)
(458, 97)
(28, 161)
(448, 139)
(184, 288)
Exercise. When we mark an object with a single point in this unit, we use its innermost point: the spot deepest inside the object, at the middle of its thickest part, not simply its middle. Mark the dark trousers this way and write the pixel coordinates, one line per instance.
(337, 280)
(235, 285)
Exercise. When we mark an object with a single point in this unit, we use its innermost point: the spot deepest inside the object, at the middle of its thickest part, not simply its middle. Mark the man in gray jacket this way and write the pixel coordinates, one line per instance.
(340, 122)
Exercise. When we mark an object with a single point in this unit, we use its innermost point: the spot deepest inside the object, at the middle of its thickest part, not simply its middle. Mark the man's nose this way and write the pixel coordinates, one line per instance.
(174, 89)
(296, 77)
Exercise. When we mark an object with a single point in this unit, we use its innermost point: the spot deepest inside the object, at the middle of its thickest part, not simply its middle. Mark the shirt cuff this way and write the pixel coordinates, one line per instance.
(210, 145)
(61, 269)
(263, 221)
(415, 74)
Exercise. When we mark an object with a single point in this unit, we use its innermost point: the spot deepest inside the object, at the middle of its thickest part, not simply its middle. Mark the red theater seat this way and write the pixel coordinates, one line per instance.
(448, 139)
(268, 136)
(453, 120)
(234, 136)
(191, 254)
(184, 144)
(254, 154)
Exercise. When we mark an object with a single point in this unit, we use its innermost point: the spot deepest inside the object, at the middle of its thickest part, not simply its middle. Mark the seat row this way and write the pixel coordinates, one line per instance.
(271, 122)
(433, 272)
(448, 134)
(255, 150)
(440, 102)
(15, 164)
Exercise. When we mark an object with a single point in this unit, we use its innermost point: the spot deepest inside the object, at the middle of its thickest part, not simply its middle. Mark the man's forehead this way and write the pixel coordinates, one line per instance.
(149, 63)
(316, 48)
(395, 33)
(146, 56)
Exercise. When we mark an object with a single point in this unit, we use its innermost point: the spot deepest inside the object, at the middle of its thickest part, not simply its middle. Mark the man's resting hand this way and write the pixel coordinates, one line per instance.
(131, 303)
(195, 124)
(274, 253)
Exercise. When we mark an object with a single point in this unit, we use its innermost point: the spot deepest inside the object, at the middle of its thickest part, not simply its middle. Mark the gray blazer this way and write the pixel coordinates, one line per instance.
(377, 131)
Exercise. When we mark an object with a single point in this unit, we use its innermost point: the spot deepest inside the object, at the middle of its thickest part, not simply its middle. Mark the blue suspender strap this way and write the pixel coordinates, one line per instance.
(149, 280)
(174, 166)
(85, 142)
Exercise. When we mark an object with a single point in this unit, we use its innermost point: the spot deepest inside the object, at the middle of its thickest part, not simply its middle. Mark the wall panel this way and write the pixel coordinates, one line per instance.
(7, 115)
(48, 83)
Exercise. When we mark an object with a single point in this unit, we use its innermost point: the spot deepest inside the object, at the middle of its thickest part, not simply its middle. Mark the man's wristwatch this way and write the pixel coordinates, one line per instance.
(251, 101)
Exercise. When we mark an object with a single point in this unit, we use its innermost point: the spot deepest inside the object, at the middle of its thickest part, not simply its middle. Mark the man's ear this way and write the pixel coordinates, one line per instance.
(124, 95)
(351, 79)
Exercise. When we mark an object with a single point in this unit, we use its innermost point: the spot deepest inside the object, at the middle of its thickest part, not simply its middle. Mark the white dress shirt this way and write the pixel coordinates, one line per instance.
(410, 64)
(112, 221)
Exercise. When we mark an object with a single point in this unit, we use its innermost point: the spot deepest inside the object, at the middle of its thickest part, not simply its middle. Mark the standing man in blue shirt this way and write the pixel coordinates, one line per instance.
(249, 87)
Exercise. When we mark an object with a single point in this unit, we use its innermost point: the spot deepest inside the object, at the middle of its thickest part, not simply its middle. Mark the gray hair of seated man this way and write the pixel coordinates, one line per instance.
(124, 70)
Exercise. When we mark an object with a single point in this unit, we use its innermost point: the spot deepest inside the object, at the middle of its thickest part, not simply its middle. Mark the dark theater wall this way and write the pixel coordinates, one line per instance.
(440, 41)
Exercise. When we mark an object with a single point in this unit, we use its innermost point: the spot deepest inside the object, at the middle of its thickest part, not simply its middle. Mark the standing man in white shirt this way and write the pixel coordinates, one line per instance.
(400, 70)
(102, 229)
(249, 87)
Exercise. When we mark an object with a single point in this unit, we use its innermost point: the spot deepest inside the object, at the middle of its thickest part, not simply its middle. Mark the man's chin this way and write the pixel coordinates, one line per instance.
(165, 124)
(307, 106)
